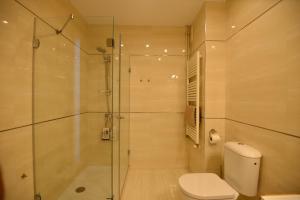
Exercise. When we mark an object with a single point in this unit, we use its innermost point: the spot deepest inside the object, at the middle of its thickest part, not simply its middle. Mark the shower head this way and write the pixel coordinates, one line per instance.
(101, 50)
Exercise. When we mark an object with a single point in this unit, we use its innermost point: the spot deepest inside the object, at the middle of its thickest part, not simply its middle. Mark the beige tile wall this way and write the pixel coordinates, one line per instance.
(159, 103)
(15, 65)
(263, 87)
(195, 153)
(95, 150)
(152, 87)
(214, 79)
(215, 20)
(16, 160)
(241, 13)
(58, 154)
(208, 34)
(97, 35)
(264, 60)
(261, 84)
(56, 12)
(15, 107)
(198, 29)
(157, 141)
(57, 95)
(60, 76)
(213, 152)
(96, 84)
(159, 38)
(279, 173)
(207, 157)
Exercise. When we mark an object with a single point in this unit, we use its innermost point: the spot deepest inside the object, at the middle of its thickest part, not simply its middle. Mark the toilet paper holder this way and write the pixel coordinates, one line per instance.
(214, 137)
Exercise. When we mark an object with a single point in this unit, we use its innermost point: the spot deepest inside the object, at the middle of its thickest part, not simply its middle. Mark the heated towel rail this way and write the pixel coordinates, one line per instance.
(193, 94)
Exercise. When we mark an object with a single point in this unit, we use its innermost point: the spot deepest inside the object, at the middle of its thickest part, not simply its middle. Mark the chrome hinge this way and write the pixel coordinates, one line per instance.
(36, 43)
(37, 197)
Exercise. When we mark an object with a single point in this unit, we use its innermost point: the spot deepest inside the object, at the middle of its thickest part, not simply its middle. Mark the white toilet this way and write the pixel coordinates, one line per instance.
(241, 171)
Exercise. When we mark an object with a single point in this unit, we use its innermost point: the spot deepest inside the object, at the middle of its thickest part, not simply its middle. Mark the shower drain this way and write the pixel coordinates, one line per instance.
(80, 189)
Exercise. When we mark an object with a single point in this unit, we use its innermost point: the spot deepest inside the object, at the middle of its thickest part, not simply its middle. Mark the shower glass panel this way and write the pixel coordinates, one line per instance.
(124, 112)
(75, 110)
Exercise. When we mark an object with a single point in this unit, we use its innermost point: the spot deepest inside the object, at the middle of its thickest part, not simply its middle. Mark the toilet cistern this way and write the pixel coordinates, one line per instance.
(241, 172)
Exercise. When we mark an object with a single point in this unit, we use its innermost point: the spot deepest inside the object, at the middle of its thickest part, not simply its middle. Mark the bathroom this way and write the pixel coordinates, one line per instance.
(149, 99)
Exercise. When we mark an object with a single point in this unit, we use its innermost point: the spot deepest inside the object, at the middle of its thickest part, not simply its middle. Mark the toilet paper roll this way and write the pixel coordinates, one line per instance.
(214, 138)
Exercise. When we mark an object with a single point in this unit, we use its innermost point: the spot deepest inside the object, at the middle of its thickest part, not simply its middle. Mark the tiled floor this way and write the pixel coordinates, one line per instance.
(95, 179)
(152, 184)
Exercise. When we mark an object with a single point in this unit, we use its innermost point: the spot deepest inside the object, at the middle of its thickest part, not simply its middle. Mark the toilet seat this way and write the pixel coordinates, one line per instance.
(206, 186)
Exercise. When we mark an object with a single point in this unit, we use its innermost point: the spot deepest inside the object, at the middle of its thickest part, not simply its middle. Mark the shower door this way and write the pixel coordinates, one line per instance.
(73, 113)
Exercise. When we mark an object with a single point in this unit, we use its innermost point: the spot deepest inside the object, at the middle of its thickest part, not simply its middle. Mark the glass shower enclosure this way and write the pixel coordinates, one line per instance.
(76, 109)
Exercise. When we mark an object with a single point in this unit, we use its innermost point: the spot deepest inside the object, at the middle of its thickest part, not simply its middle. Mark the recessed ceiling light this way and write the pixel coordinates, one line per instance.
(147, 45)
(174, 76)
(122, 45)
(233, 26)
(159, 59)
(213, 46)
(166, 50)
(183, 50)
(5, 22)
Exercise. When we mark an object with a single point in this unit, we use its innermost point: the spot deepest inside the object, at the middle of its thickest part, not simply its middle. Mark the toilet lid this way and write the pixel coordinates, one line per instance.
(206, 186)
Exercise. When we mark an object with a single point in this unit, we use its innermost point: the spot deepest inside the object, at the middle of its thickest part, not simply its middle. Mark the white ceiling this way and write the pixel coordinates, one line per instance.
(142, 12)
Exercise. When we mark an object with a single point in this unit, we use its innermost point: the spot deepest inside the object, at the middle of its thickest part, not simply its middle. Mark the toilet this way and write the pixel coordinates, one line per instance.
(241, 172)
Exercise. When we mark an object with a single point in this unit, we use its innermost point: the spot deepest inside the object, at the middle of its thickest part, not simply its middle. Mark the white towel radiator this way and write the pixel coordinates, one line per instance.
(193, 93)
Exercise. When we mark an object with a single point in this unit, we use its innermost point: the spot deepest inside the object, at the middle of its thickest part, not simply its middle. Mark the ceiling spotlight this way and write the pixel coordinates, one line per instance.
(159, 59)
(147, 45)
(122, 45)
(233, 26)
(183, 50)
(166, 50)
(213, 46)
(174, 76)
(5, 22)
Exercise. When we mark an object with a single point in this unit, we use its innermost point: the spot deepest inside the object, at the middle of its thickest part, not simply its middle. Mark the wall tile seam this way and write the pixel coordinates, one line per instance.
(256, 126)
(3, 131)
(242, 28)
(157, 112)
(45, 121)
(203, 42)
(253, 20)
(149, 55)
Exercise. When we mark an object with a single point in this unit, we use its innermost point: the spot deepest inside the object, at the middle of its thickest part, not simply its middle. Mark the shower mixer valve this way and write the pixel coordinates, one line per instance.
(105, 134)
